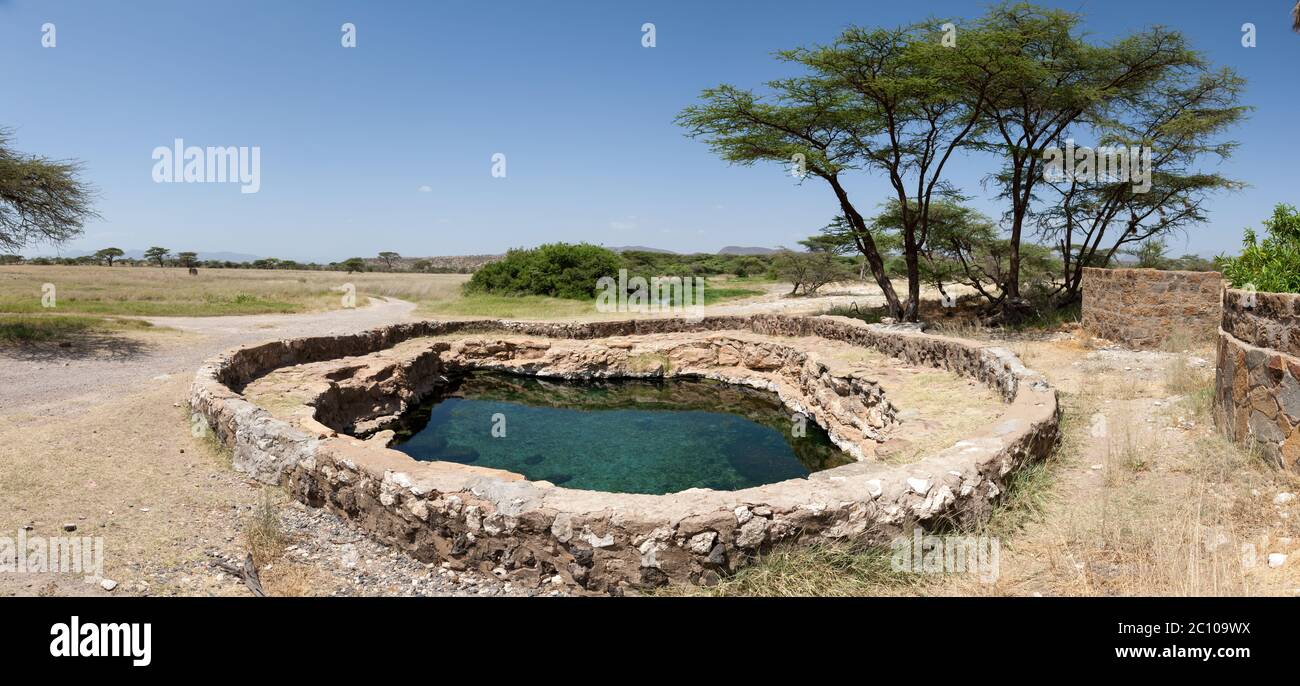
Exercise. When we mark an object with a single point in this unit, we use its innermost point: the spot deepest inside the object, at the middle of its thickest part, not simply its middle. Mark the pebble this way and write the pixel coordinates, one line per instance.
(1276, 559)
(1283, 498)
(107, 584)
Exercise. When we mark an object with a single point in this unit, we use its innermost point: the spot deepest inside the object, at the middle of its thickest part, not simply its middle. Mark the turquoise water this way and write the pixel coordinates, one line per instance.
(626, 436)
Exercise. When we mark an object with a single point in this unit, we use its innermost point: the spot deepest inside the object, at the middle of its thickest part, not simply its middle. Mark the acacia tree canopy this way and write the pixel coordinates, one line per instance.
(41, 200)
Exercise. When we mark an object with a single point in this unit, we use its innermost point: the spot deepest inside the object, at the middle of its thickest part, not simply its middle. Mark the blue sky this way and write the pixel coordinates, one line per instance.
(565, 90)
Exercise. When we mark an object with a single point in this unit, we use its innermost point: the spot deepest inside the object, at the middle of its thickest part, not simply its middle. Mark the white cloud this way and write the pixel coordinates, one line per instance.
(426, 189)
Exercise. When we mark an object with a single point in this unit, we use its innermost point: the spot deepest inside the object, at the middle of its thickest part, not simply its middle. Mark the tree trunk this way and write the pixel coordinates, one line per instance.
(868, 247)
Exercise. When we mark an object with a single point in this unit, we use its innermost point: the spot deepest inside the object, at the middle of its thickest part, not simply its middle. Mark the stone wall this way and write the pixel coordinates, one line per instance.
(1257, 376)
(1142, 308)
(607, 542)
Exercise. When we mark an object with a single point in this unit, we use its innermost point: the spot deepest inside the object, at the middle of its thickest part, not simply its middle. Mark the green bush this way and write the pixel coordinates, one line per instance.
(1273, 264)
(558, 270)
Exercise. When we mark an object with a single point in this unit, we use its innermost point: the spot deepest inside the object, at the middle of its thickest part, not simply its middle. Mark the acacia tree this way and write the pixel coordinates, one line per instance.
(40, 199)
(107, 255)
(157, 254)
(187, 259)
(901, 84)
(1179, 119)
(1036, 78)
(388, 257)
(802, 120)
(875, 99)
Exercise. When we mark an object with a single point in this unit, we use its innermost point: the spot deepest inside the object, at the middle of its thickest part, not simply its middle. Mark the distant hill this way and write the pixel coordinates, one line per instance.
(463, 264)
(729, 250)
(641, 248)
(743, 250)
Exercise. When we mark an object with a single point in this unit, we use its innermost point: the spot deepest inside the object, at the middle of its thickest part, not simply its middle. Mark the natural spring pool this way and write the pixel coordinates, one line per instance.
(625, 436)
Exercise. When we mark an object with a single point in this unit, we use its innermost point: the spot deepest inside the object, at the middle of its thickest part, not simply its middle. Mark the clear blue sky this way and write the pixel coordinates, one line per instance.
(564, 89)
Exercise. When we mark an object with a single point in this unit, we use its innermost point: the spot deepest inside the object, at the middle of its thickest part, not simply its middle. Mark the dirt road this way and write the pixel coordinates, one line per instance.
(54, 381)
(95, 442)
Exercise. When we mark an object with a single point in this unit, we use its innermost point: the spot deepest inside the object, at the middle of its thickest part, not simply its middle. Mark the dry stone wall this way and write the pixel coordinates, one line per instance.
(606, 542)
(1257, 377)
(1142, 308)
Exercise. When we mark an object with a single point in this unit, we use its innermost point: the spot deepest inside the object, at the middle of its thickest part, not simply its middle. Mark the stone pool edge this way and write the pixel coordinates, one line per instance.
(606, 542)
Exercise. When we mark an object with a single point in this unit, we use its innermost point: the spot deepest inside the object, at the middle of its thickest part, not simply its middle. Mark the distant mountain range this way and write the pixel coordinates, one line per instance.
(729, 250)
(640, 248)
(744, 250)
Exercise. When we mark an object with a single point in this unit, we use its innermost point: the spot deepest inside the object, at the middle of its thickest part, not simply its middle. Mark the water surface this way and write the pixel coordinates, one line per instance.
(627, 436)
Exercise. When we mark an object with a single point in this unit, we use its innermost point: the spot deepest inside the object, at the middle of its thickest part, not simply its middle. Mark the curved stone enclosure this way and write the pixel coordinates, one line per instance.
(604, 542)
(1257, 374)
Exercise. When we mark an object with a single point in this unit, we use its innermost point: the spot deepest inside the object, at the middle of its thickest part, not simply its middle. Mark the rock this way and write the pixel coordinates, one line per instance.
(752, 533)
(1289, 397)
(109, 584)
(920, 486)
(1283, 498)
(1276, 559)
(702, 543)
(718, 556)
(69, 527)
(350, 556)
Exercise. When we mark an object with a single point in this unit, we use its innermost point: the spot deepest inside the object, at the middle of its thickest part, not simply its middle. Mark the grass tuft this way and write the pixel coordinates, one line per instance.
(21, 328)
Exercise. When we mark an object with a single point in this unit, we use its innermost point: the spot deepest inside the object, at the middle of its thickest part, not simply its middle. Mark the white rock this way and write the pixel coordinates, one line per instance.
(350, 556)
(752, 533)
(920, 486)
(1276, 559)
(743, 514)
(109, 584)
(1283, 498)
(702, 543)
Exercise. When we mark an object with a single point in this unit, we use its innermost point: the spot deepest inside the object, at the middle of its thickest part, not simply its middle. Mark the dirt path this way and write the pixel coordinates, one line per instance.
(95, 442)
(47, 380)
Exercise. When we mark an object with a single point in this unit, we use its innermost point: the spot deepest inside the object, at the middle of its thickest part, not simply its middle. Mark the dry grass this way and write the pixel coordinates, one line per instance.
(263, 534)
(455, 304)
(1194, 385)
(816, 570)
(152, 291)
(30, 328)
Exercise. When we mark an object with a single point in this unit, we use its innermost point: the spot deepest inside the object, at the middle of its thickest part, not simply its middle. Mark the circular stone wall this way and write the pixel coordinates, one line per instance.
(603, 542)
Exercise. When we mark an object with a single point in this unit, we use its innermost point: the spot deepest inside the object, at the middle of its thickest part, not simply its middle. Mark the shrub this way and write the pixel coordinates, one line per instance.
(1273, 264)
(559, 270)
